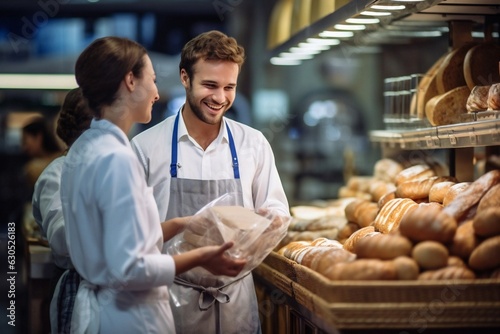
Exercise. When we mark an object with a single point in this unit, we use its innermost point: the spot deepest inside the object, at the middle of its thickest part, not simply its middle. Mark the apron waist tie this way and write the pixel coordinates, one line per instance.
(210, 296)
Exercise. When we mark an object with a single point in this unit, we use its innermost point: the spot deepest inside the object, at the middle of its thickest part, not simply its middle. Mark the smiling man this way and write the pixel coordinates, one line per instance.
(198, 155)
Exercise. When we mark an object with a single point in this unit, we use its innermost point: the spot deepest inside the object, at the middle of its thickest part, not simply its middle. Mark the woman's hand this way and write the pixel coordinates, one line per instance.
(212, 258)
(174, 226)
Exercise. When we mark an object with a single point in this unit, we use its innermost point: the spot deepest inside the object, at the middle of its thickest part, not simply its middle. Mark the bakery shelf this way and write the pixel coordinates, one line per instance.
(472, 134)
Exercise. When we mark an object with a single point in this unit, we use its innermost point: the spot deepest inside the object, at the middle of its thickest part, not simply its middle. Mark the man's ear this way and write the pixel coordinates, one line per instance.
(184, 78)
(129, 81)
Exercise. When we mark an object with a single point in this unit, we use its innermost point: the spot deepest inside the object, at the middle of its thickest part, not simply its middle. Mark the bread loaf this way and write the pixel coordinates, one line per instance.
(346, 232)
(468, 198)
(453, 191)
(387, 169)
(494, 97)
(455, 261)
(486, 223)
(427, 87)
(386, 198)
(428, 222)
(430, 255)
(364, 232)
(414, 173)
(390, 215)
(478, 99)
(447, 273)
(420, 189)
(450, 74)
(448, 108)
(361, 212)
(380, 188)
(464, 241)
(362, 269)
(383, 246)
(406, 268)
(485, 256)
(491, 199)
(439, 190)
(481, 65)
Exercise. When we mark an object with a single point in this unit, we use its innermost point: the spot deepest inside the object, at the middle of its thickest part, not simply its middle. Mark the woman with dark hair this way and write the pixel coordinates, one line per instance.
(74, 118)
(112, 223)
(39, 142)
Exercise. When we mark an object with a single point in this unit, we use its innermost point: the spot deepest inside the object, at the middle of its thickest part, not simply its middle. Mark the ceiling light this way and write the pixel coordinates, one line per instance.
(388, 7)
(323, 41)
(283, 61)
(357, 20)
(355, 27)
(313, 46)
(290, 55)
(372, 13)
(304, 51)
(336, 34)
(37, 81)
(407, 0)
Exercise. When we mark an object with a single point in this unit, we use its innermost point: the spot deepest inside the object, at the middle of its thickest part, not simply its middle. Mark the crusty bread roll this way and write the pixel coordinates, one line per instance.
(390, 215)
(468, 198)
(386, 198)
(414, 173)
(447, 273)
(430, 255)
(420, 189)
(464, 241)
(386, 170)
(428, 222)
(383, 246)
(380, 188)
(486, 223)
(448, 108)
(320, 259)
(451, 72)
(478, 99)
(494, 97)
(406, 268)
(481, 65)
(364, 232)
(439, 190)
(361, 212)
(455, 261)
(485, 256)
(362, 269)
(491, 199)
(453, 191)
(347, 230)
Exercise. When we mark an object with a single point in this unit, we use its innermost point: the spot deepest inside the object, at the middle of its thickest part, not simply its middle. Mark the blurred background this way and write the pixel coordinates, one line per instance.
(317, 116)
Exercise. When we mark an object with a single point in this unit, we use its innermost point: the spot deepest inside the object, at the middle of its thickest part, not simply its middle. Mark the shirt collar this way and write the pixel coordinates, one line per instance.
(104, 125)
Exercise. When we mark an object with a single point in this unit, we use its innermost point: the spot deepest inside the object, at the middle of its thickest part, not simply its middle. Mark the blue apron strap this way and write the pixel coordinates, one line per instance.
(234, 156)
(173, 159)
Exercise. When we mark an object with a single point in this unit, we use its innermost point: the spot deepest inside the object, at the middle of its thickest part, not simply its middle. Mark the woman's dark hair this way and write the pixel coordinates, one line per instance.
(74, 117)
(103, 65)
(211, 45)
(43, 126)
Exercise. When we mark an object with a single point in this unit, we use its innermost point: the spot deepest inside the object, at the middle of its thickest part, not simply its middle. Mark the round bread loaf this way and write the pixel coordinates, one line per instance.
(451, 72)
(485, 256)
(486, 223)
(481, 65)
(406, 268)
(494, 97)
(428, 222)
(430, 255)
(390, 215)
(439, 190)
(478, 99)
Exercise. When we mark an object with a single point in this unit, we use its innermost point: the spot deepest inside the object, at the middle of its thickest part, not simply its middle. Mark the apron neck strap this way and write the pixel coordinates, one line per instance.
(173, 158)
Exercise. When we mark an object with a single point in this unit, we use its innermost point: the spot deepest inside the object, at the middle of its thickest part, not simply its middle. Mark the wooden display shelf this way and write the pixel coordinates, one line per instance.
(413, 305)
